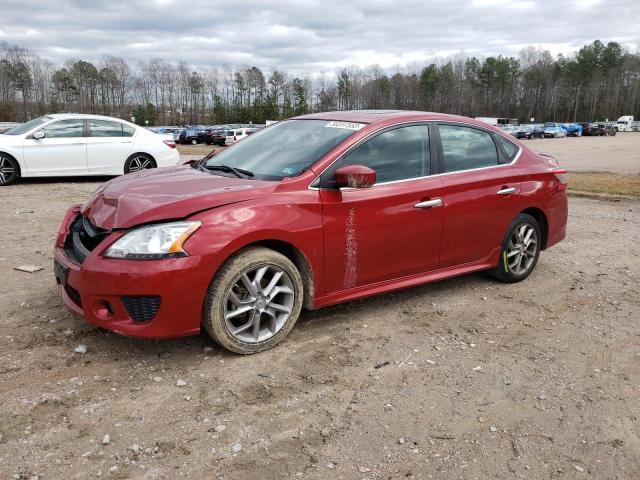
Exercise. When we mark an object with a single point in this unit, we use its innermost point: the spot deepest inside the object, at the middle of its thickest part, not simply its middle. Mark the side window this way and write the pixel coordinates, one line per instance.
(466, 148)
(105, 128)
(64, 129)
(397, 154)
(127, 131)
(509, 149)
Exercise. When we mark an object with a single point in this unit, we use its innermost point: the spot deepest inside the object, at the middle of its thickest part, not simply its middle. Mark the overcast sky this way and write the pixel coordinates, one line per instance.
(310, 36)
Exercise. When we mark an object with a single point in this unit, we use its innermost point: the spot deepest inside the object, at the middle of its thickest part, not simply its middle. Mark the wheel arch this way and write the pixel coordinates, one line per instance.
(296, 256)
(153, 159)
(13, 157)
(541, 218)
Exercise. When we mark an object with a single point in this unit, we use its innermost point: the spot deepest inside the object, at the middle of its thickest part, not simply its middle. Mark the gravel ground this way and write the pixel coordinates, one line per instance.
(618, 154)
(465, 378)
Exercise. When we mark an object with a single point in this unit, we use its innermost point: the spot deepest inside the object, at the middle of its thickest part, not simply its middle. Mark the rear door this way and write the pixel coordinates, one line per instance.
(62, 151)
(384, 232)
(479, 194)
(109, 145)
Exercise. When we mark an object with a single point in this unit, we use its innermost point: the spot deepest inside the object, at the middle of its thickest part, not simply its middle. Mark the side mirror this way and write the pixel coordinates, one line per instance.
(355, 176)
(38, 135)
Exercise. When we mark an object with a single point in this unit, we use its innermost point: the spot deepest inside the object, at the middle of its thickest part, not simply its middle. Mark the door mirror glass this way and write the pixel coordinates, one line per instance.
(355, 176)
(38, 135)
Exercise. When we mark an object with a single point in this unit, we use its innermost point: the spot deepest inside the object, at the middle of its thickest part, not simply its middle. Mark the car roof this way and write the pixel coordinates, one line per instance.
(374, 116)
(83, 115)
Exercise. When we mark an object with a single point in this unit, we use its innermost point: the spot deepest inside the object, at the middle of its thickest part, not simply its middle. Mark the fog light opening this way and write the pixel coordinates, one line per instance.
(103, 309)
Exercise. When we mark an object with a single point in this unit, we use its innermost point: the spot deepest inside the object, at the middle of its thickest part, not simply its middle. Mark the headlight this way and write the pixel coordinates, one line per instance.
(153, 242)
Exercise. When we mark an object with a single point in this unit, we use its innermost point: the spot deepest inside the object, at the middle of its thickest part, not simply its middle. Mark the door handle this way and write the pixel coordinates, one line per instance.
(78, 143)
(436, 202)
(506, 191)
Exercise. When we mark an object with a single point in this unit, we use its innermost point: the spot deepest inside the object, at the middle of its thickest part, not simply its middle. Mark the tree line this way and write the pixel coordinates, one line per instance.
(595, 83)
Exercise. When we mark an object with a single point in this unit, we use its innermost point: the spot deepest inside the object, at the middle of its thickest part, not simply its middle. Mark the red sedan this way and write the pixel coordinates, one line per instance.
(309, 212)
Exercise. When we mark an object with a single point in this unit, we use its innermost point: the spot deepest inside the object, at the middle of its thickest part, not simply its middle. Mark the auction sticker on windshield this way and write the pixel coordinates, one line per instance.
(347, 125)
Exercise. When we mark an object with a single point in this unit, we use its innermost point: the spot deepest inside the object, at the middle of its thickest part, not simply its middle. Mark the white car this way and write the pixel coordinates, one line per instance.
(76, 144)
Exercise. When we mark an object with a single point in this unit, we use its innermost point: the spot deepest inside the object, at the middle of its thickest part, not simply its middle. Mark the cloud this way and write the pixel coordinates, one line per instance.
(308, 36)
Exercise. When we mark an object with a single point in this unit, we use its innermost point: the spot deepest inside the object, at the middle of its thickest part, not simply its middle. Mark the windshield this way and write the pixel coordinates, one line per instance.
(25, 127)
(285, 149)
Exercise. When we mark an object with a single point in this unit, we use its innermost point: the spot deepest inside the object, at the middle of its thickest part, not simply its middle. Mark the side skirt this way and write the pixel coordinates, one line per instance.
(406, 282)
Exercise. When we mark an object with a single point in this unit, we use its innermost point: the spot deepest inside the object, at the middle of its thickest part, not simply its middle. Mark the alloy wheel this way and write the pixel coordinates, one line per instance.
(259, 303)
(139, 163)
(7, 170)
(522, 249)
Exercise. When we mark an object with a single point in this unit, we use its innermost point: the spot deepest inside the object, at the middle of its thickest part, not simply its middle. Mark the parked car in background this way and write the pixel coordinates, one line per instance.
(591, 130)
(554, 130)
(76, 144)
(312, 211)
(572, 129)
(235, 135)
(609, 129)
(4, 126)
(216, 136)
(529, 132)
(509, 129)
(192, 135)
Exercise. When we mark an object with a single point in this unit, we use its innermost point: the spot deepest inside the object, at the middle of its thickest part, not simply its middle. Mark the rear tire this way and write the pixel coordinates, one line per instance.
(194, 141)
(520, 250)
(137, 162)
(9, 170)
(266, 287)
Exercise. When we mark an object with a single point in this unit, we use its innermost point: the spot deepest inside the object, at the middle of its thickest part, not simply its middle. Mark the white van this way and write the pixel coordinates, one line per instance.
(235, 135)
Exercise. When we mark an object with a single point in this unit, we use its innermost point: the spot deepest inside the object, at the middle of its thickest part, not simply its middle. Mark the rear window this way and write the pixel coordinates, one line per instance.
(509, 149)
(466, 148)
(105, 128)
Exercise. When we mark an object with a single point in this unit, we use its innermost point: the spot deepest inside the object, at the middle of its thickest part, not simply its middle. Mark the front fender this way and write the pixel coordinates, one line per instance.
(294, 218)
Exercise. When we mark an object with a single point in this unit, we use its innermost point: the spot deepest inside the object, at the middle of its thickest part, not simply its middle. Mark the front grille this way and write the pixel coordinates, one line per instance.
(141, 308)
(73, 294)
(83, 238)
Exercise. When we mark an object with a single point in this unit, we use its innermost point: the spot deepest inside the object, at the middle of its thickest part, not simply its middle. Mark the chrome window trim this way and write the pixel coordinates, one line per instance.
(364, 139)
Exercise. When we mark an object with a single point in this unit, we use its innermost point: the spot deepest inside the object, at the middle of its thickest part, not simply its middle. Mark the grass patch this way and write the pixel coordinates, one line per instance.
(197, 149)
(605, 183)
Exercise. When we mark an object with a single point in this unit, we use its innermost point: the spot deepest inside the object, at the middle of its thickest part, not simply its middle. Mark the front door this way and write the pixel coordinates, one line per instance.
(387, 231)
(62, 151)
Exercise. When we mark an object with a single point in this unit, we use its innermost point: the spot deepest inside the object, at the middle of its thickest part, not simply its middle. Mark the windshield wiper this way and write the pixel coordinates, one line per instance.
(238, 172)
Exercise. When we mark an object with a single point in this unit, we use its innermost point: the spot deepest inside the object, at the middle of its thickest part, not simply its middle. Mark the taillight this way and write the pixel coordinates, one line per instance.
(169, 143)
(561, 175)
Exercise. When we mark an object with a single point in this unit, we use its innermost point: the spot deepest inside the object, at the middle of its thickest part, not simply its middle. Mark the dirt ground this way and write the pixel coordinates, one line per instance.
(462, 379)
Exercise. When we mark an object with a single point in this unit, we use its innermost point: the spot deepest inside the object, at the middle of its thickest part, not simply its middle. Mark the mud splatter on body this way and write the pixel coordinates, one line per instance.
(351, 250)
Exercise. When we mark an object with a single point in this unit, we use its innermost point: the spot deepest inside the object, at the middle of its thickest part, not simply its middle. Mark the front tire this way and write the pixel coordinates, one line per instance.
(137, 162)
(254, 301)
(9, 170)
(520, 250)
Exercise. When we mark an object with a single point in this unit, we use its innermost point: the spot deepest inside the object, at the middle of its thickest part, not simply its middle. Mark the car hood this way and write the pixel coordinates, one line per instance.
(166, 194)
